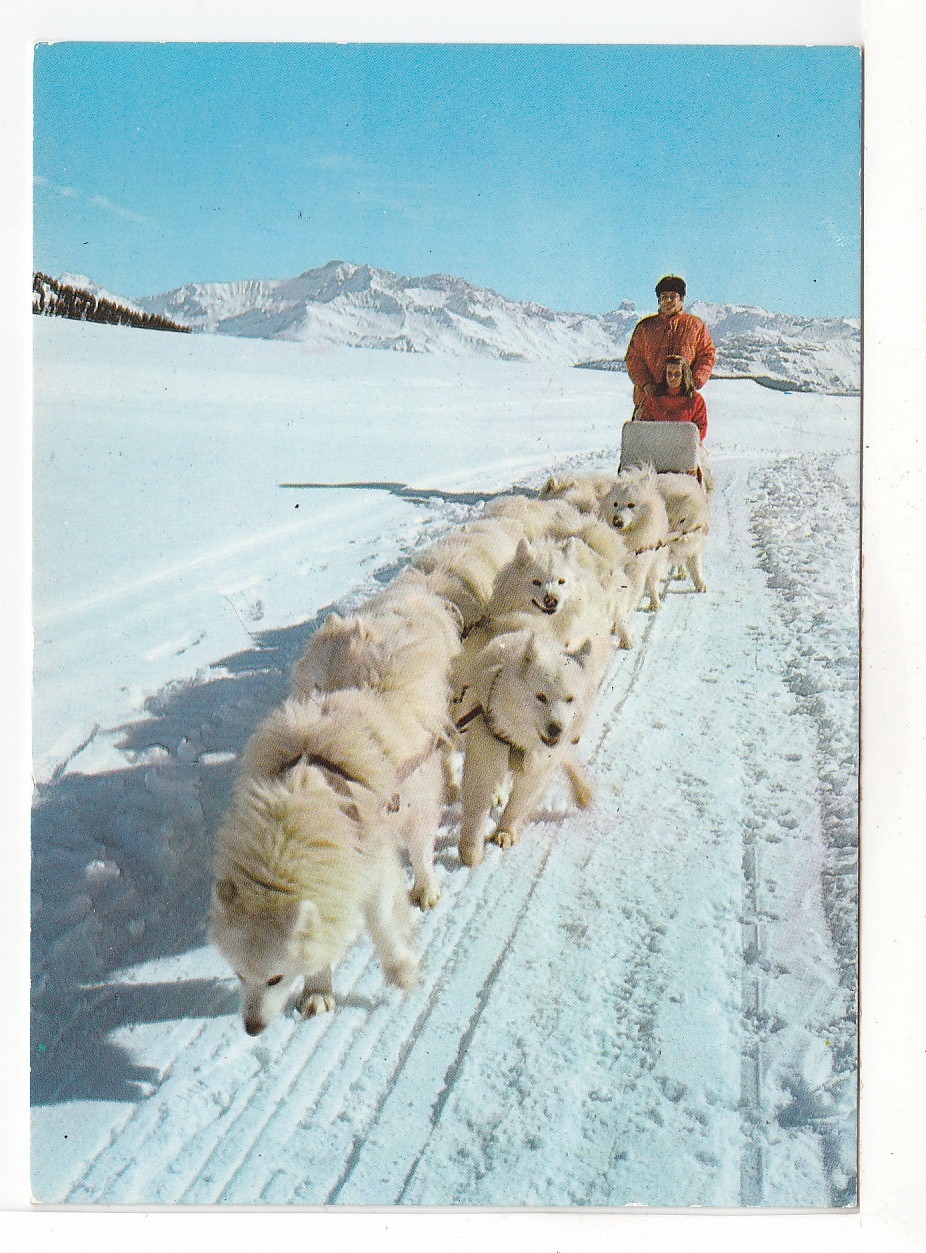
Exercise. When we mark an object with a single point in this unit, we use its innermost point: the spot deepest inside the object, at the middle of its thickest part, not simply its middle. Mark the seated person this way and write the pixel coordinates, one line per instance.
(675, 398)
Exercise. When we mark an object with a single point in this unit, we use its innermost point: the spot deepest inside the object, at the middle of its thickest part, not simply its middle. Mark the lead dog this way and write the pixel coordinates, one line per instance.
(308, 852)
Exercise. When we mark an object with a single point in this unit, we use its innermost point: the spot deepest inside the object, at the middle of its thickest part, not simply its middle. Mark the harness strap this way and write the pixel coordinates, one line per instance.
(515, 752)
(669, 540)
(467, 630)
(462, 723)
(315, 759)
(323, 763)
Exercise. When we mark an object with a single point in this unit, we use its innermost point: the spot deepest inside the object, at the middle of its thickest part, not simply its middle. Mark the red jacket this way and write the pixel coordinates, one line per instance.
(656, 337)
(676, 409)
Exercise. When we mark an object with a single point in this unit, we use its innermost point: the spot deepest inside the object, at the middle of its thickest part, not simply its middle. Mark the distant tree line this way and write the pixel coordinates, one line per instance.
(61, 300)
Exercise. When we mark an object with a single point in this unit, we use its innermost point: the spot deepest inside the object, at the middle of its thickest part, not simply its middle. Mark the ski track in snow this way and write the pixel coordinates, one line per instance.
(445, 1096)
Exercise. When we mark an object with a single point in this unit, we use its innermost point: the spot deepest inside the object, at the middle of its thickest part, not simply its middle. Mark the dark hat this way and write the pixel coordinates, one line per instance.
(671, 282)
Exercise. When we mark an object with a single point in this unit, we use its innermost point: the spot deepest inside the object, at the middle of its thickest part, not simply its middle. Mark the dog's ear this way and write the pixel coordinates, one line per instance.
(455, 613)
(530, 654)
(524, 550)
(549, 488)
(305, 917)
(224, 894)
(581, 655)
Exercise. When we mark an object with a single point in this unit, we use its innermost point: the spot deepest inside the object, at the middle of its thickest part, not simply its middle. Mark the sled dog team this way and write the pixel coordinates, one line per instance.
(492, 644)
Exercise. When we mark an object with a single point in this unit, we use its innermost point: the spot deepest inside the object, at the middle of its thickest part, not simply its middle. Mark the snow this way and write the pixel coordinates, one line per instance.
(649, 1003)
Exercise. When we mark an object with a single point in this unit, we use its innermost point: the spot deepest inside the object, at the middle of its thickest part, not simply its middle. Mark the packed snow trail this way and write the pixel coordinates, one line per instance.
(546, 1058)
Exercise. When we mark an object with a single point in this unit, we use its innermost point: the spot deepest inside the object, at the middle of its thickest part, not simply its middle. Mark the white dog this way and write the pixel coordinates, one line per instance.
(557, 581)
(635, 508)
(462, 566)
(687, 509)
(401, 644)
(520, 725)
(535, 519)
(584, 491)
(604, 554)
(547, 586)
(398, 648)
(308, 851)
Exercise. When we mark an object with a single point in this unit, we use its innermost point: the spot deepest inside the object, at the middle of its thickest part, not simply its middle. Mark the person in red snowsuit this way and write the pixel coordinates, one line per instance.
(669, 333)
(675, 398)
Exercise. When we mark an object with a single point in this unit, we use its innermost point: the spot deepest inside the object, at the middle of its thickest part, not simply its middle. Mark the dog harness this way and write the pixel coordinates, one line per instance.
(516, 753)
(324, 763)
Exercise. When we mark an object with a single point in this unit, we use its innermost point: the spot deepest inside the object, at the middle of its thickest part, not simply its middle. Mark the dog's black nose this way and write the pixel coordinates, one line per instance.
(554, 730)
(550, 600)
(253, 1026)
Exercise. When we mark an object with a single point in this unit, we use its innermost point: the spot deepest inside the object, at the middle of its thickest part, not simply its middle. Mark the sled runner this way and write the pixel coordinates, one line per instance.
(671, 447)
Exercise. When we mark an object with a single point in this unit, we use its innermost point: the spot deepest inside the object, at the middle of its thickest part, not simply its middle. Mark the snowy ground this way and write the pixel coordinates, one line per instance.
(648, 1003)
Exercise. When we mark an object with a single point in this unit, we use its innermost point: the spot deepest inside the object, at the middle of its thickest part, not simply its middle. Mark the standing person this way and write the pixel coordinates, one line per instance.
(669, 333)
(675, 398)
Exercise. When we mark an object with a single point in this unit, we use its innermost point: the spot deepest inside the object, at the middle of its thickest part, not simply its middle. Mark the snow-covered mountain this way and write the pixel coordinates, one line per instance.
(84, 283)
(822, 353)
(365, 307)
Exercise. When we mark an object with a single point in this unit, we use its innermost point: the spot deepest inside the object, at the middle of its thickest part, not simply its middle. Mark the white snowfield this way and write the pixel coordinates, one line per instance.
(651, 1002)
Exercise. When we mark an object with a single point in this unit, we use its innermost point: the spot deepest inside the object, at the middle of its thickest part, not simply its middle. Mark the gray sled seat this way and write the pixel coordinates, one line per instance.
(672, 447)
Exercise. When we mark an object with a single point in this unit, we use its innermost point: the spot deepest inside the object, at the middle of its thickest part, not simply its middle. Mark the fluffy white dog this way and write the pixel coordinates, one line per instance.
(400, 644)
(399, 649)
(308, 851)
(687, 509)
(550, 586)
(584, 491)
(558, 581)
(462, 566)
(523, 706)
(636, 509)
(536, 519)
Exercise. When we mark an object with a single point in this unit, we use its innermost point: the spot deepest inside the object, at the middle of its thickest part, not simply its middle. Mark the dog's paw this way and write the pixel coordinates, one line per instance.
(503, 838)
(471, 850)
(312, 1003)
(678, 572)
(425, 895)
(583, 791)
(403, 971)
(701, 587)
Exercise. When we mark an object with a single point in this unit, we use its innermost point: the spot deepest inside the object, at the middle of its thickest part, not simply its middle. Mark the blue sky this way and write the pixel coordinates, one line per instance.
(573, 175)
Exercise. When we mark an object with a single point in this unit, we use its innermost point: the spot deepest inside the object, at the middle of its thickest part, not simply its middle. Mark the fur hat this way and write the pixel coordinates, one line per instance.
(671, 282)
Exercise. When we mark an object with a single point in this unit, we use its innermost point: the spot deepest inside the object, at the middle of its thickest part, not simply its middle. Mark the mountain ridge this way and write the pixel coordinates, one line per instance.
(359, 305)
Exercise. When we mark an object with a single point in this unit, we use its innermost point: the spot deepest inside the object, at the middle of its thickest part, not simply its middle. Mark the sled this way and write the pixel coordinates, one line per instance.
(670, 447)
